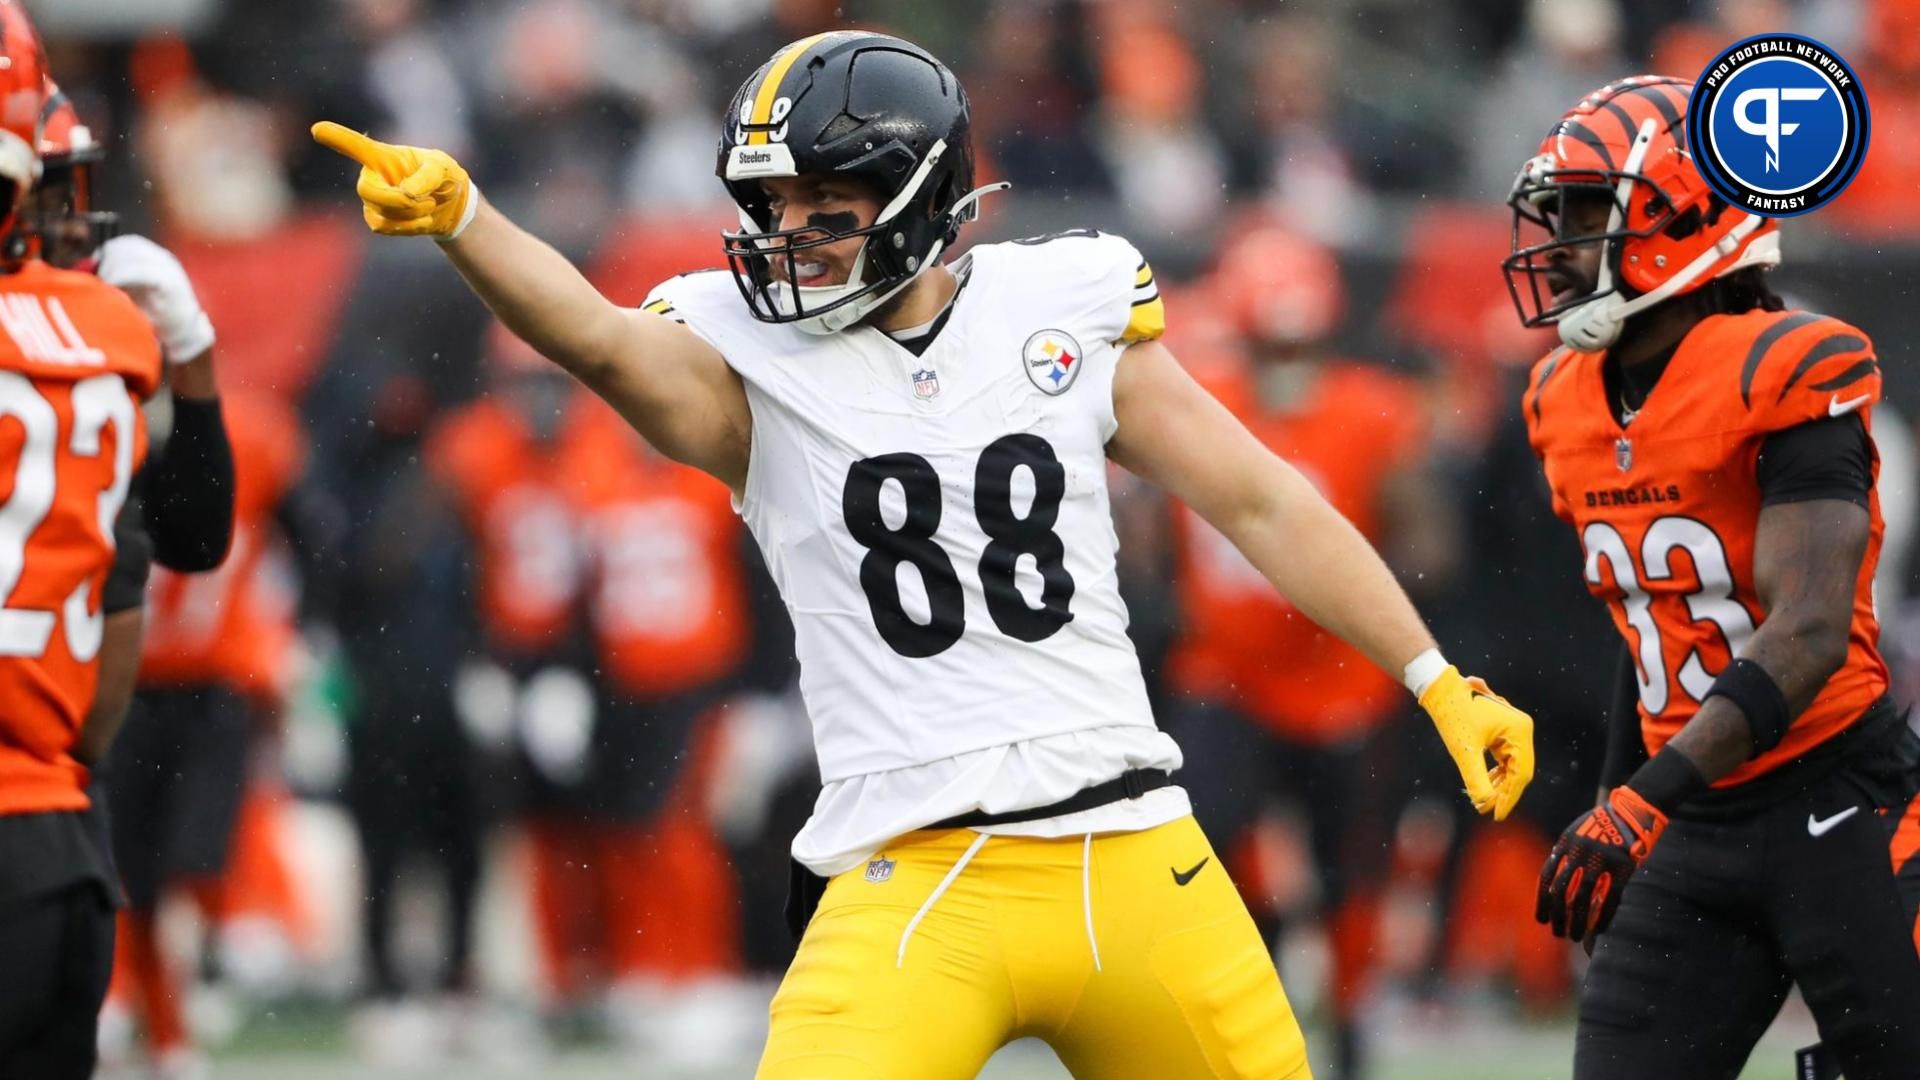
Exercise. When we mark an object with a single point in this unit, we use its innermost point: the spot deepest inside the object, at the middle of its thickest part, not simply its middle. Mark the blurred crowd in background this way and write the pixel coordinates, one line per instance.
(523, 750)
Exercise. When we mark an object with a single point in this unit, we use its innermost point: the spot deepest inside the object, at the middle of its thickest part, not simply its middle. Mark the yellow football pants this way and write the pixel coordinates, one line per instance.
(951, 943)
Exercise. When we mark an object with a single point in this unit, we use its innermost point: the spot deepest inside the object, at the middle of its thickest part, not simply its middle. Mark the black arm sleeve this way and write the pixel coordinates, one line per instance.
(190, 490)
(1626, 749)
(1831, 458)
(126, 586)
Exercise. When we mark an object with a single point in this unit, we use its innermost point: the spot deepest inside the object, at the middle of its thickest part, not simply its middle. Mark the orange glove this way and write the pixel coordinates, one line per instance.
(405, 190)
(1581, 884)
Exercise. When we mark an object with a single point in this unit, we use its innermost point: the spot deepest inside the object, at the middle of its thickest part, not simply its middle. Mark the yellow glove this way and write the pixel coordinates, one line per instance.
(405, 190)
(1474, 722)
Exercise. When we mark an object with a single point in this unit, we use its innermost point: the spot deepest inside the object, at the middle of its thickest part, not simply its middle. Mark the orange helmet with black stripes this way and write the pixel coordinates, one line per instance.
(23, 78)
(1667, 233)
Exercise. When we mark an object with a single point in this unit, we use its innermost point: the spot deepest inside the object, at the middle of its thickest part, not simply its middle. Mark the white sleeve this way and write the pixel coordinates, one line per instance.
(1126, 295)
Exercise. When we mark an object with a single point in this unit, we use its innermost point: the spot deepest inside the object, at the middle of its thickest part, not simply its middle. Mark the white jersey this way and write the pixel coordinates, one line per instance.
(939, 529)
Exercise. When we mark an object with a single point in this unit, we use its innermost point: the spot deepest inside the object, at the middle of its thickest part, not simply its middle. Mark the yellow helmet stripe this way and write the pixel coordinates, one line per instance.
(763, 98)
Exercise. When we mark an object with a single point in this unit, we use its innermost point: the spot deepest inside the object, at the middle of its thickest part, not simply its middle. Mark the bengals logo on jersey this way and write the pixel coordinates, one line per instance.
(76, 358)
(1666, 504)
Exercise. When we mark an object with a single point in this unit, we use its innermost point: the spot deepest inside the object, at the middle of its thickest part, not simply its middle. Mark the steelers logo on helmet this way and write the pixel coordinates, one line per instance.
(1778, 125)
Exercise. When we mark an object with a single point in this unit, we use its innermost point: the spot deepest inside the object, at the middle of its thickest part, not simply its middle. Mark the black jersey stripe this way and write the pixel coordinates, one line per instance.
(1826, 348)
(1767, 340)
(1850, 376)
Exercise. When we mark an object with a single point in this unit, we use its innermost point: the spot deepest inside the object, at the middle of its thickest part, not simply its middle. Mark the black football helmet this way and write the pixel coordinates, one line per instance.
(847, 103)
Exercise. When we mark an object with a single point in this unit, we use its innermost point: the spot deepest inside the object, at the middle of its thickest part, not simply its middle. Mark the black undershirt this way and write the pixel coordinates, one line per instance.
(917, 344)
(1628, 387)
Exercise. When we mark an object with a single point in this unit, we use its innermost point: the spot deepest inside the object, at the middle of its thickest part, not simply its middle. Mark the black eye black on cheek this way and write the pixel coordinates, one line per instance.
(840, 222)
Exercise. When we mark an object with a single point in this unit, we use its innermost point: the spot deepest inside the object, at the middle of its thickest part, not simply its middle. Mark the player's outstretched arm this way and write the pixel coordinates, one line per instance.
(1174, 433)
(671, 385)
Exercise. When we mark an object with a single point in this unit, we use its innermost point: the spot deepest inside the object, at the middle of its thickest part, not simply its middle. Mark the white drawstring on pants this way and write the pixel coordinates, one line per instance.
(1086, 896)
(913, 923)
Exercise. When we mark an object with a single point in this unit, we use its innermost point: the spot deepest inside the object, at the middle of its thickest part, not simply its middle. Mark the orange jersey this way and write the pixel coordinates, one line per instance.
(515, 495)
(668, 595)
(230, 625)
(1242, 642)
(1667, 506)
(76, 360)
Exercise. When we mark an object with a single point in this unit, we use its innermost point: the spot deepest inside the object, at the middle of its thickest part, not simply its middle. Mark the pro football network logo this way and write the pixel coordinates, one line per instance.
(1051, 360)
(1778, 125)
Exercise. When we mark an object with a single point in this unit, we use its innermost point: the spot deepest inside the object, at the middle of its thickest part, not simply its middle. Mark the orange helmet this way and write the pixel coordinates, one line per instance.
(23, 78)
(1667, 233)
(1280, 287)
(61, 132)
(63, 219)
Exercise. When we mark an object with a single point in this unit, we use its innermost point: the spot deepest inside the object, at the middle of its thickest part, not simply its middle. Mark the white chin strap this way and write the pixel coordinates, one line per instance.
(1596, 324)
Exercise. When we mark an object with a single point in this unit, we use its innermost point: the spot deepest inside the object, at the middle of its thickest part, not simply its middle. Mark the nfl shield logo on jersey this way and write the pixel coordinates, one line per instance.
(1623, 455)
(926, 383)
(1051, 359)
(879, 870)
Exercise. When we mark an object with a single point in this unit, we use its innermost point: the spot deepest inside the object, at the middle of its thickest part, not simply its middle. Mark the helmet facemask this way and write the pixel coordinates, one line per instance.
(1539, 201)
(1640, 210)
(59, 211)
(1593, 319)
(889, 259)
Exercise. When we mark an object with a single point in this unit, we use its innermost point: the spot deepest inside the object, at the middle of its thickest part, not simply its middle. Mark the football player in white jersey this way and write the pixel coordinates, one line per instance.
(920, 446)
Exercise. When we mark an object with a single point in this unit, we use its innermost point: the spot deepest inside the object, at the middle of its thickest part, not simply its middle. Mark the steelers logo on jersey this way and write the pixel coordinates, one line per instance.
(1051, 360)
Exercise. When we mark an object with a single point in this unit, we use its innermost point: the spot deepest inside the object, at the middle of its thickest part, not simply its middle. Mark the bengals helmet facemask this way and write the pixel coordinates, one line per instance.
(60, 212)
(1667, 233)
(868, 107)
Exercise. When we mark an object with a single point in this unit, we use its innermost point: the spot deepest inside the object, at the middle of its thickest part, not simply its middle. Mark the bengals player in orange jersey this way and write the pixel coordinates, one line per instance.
(666, 600)
(595, 554)
(182, 500)
(1715, 452)
(186, 491)
(76, 359)
(1280, 706)
(508, 466)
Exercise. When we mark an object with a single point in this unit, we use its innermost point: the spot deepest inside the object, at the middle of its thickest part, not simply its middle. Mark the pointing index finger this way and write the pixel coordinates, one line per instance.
(369, 152)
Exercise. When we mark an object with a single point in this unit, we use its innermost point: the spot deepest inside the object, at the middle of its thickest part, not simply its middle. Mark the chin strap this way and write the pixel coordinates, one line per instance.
(1594, 325)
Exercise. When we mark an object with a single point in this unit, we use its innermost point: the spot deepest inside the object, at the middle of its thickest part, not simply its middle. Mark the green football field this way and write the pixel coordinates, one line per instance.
(1435, 1048)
